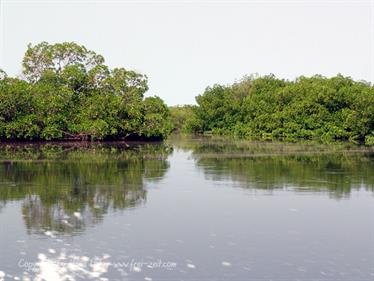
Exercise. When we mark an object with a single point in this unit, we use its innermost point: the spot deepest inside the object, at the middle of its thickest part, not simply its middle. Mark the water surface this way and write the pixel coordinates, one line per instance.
(187, 209)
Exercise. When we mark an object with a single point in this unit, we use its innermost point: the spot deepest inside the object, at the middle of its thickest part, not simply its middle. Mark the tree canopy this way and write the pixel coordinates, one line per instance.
(317, 107)
(67, 92)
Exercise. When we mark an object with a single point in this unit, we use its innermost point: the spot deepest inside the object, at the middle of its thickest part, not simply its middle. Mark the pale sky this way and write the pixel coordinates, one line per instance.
(185, 46)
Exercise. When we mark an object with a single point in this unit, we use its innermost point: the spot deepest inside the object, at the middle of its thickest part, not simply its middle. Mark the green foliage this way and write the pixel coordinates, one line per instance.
(45, 57)
(369, 140)
(184, 119)
(70, 94)
(327, 109)
(18, 118)
(156, 119)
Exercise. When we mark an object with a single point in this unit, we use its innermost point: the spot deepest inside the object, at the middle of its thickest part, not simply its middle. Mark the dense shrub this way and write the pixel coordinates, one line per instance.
(328, 109)
(184, 119)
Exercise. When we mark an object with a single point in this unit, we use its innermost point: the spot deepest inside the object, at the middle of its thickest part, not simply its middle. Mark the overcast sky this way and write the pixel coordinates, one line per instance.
(184, 46)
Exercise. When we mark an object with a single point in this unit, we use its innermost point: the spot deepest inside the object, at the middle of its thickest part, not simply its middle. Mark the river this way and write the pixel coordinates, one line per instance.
(187, 209)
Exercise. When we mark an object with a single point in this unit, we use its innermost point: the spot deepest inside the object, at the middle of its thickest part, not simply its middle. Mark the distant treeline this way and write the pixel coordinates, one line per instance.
(67, 92)
(326, 109)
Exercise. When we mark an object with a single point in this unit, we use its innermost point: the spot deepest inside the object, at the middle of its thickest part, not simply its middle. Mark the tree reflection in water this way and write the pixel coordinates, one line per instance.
(67, 187)
(304, 167)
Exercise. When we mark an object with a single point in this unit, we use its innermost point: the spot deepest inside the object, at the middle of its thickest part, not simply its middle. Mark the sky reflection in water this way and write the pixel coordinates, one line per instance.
(190, 209)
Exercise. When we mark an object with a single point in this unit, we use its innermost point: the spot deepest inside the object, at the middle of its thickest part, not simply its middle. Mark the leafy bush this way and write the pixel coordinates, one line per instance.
(328, 109)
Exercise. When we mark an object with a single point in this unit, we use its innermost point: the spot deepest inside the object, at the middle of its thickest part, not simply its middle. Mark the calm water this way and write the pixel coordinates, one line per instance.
(189, 209)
